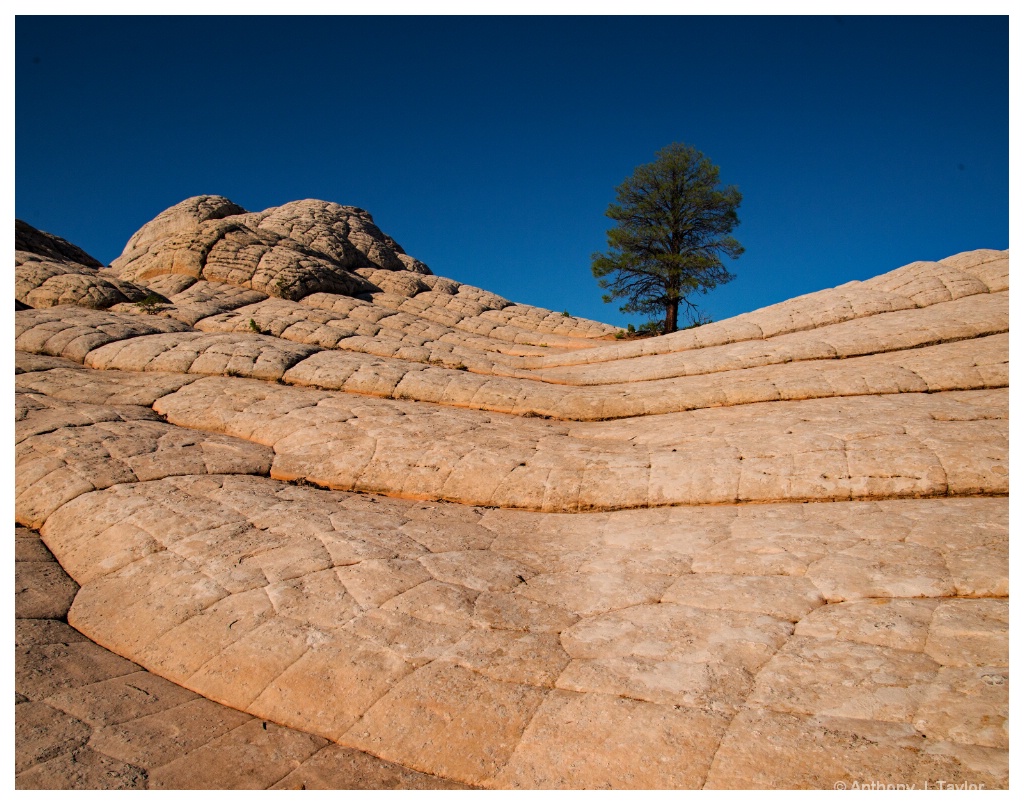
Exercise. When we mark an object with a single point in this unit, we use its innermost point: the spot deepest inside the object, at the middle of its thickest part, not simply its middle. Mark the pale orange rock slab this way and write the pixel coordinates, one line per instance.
(783, 554)
(990, 266)
(967, 706)
(73, 332)
(253, 355)
(318, 598)
(528, 658)
(367, 541)
(590, 593)
(609, 558)
(980, 572)
(900, 623)
(739, 343)
(722, 678)
(629, 744)
(672, 654)
(970, 537)
(849, 680)
(810, 450)
(61, 465)
(39, 414)
(415, 640)
(483, 571)
(978, 363)
(779, 596)
(864, 428)
(330, 686)
(101, 388)
(191, 301)
(970, 633)
(374, 581)
(886, 570)
(514, 612)
(767, 749)
(140, 721)
(964, 523)
(26, 362)
(446, 720)
(183, 650)
(436, 602)
(238, 674)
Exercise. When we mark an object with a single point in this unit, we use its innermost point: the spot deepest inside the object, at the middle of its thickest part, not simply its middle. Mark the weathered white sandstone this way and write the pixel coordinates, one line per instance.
(46, 283)
(31, 362)
(73, 332)
(71, 383)
(803, 367)
(251, 356)
(58, 464)
(49, 271)
(859, 447)
(197, 300)
(701, 656)
(971, 317)
(771, 551)
(85, 718)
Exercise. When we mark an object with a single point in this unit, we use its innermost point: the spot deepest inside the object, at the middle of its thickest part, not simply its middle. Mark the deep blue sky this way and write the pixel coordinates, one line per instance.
(490, 147)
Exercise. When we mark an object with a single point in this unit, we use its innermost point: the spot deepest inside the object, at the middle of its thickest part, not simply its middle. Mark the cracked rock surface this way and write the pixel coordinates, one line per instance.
(87, 718)
(409, 523)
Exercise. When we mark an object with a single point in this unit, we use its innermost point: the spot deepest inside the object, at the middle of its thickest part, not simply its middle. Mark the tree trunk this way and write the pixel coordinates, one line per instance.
(671, 316)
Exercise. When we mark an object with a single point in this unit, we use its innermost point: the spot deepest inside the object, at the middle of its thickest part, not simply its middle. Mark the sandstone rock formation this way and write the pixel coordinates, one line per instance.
(298, 474)
(86, 718)
(49, 271)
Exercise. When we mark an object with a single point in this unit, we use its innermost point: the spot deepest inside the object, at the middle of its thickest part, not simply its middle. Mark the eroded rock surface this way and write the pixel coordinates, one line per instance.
(49, 271)
(767, 552)
(87, 718)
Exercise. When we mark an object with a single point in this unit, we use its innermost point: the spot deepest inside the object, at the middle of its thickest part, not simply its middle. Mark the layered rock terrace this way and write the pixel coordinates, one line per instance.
(298, 474)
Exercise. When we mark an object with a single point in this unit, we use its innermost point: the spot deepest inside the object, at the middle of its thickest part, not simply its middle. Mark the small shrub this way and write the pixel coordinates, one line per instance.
(150, 304)
(255, 327)
(701, 321)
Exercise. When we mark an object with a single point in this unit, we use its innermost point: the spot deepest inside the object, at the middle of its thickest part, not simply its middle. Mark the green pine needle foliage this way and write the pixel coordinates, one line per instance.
(673, 218)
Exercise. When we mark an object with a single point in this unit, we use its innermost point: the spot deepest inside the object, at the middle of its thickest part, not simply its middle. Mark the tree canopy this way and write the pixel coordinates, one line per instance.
(673, 220)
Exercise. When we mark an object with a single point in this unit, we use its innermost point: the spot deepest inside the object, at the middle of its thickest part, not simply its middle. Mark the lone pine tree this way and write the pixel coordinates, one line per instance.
(673, 222)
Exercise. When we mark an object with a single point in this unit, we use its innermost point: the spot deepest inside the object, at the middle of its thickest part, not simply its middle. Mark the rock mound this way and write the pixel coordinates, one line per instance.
(49, 271)
(29, 239)
(313, 248)
(323, 486)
